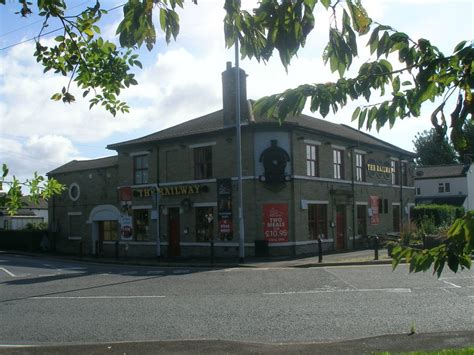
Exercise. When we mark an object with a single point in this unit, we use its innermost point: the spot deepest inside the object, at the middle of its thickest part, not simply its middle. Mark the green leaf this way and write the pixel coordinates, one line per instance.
(459, 46)
(326, 3)
(396, 84)
(355, 114)
(89, 32)
(4, 171)
(57, 96)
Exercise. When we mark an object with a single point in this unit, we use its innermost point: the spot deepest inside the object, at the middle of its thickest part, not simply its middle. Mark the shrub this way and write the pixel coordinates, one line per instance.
(438, 215)
(41, 226)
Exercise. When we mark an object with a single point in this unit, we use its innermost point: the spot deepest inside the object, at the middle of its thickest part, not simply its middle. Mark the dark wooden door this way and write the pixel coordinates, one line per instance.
(100, 245)
(340, 227)
(174, 232)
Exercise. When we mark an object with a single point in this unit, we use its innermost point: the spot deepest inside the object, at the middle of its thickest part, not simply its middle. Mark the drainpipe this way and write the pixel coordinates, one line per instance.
(400, 218)
(353, 198)
(157, 204)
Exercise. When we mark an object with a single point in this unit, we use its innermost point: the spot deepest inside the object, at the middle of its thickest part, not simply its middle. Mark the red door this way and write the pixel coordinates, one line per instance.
(174, 232)
(340, 227)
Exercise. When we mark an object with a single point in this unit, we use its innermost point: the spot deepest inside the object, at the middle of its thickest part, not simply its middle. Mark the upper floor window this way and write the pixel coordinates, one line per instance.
(394, 172)
(338, 164)
(444, 187)
(311, 160)
(140, 169)
(404, 174)
(359, 162)
(203, 162)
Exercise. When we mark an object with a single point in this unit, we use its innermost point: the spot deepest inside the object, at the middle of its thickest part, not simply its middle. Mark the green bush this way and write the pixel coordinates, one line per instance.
(41, 226)
(439, 215)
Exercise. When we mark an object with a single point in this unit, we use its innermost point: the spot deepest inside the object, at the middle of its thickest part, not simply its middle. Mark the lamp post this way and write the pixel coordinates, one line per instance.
(239, 154)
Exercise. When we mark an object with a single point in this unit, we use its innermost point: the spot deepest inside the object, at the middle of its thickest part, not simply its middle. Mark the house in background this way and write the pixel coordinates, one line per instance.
(30, 213)
(445, 184)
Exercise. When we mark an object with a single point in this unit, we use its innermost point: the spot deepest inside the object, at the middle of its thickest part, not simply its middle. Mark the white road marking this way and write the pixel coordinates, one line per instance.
(394, 290)
(452, 284)
(341, 279)
(8, 272)
(89, 297)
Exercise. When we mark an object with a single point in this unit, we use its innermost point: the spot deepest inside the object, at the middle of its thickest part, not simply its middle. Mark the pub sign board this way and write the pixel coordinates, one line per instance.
(224, 208)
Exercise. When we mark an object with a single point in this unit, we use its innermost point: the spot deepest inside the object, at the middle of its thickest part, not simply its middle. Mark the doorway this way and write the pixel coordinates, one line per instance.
(340, 227)
(174, 232)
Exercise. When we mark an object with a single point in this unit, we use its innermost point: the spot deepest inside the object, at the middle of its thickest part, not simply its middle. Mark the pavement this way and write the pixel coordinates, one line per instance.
(358, 257)
(391, 342)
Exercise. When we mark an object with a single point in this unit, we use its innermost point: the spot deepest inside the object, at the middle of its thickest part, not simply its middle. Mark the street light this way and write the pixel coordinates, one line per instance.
(239, 153)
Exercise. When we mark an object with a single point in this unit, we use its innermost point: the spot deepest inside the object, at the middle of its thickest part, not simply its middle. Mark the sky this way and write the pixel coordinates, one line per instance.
(182, 80)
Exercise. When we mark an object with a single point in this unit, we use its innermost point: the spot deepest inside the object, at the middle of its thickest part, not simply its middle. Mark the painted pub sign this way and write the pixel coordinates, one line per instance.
(224, 209)
(275, 222)
(374, 210)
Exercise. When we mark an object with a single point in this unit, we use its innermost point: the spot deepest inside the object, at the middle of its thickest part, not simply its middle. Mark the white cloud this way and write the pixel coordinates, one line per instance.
(37, 153)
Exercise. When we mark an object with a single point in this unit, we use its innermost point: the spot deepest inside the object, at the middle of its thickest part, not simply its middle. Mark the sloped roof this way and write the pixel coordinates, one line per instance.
(27, 205)
(77, 165)
(440, 171)
(213, 122)
(208, 123)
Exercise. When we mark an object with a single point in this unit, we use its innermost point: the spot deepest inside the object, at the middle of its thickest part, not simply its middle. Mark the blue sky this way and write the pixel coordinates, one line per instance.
(180, 81)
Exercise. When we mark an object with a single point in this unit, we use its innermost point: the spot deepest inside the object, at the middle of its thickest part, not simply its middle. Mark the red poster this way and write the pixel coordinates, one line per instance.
(275, 222)
(374, 210)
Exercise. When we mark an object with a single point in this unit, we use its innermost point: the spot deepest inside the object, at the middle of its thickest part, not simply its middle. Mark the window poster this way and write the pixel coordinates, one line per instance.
(374, 207)
(126, 228)
(275, 222)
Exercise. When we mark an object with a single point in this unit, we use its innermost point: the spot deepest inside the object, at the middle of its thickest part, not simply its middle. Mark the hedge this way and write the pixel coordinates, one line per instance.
(439, 214)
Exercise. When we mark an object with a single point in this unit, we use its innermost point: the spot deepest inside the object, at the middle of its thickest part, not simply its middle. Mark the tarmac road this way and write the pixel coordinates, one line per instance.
(50, 302)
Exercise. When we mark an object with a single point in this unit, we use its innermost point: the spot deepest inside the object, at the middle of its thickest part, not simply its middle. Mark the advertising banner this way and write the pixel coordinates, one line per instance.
(374, 208)
(275, 222)
(224, 209)
(126, 228)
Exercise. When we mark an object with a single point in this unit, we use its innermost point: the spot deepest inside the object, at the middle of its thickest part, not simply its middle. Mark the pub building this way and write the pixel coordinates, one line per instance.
(172, 192)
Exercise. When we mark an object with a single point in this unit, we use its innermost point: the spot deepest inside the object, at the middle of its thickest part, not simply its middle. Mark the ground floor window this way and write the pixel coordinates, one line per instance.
(396, 218)
(74, 226)
(141, 225)
(108, 230)
(317, 221)
(204, 223)
(362, 220)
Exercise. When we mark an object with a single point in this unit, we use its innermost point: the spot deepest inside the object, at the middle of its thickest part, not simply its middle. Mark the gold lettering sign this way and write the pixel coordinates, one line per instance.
(379, 168)
(168, 191)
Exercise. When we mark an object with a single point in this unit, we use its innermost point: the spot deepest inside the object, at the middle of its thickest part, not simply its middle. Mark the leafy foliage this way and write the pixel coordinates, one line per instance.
(433, 149)
(456, 251)
(36, 187)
